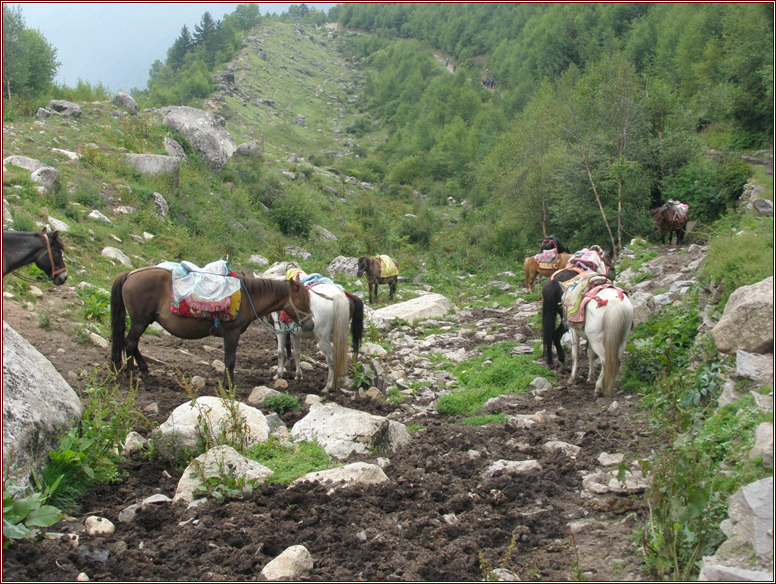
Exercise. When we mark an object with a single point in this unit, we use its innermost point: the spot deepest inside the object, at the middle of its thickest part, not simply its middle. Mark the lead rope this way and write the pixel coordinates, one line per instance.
(54, 273)
(261, 320)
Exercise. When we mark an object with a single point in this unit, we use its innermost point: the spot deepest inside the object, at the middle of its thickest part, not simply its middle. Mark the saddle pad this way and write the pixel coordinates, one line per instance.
(578, 317)
(208, 289)
(387, 267)
(548, 256)
(228, 314)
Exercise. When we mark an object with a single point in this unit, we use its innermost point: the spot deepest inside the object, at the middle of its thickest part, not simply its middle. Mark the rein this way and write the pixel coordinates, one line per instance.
(54, 273)
(296, 325)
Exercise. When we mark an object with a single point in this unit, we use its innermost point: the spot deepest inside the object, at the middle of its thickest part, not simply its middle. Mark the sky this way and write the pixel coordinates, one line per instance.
(115, 43)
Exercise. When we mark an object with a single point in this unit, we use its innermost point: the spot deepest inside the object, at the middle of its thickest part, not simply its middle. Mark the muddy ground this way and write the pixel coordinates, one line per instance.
(438, 519)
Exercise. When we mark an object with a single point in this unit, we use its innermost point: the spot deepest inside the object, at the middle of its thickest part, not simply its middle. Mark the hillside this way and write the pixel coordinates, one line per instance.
(469, 386)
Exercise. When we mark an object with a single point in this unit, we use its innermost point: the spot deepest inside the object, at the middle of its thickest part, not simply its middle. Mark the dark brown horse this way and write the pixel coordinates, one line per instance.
(371, 266)
(668, 219)
(146, 294)
(43, 248)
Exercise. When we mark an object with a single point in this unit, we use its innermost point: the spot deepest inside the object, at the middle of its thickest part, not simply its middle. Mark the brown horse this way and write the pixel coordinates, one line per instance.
(40, 247)
(146, 294)
(532, 267)
(371, 266)
(667, 219)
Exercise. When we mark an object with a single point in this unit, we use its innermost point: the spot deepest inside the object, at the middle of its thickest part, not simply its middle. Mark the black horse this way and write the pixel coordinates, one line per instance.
(552, 306)
(42, 248)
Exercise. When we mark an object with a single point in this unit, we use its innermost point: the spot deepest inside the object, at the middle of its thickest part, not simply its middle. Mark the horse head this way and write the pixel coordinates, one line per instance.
(363, 264)
(50, 261)
(298, 306)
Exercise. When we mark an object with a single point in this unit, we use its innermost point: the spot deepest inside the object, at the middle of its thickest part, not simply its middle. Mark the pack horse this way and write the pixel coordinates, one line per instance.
(380, 269)
(145, 295)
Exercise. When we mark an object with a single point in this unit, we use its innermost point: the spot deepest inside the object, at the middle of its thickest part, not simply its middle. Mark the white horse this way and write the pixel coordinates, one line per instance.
(606, 329)
(331, 311)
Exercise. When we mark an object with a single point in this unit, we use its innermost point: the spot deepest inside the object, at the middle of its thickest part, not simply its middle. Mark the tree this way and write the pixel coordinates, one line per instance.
(177, 52)
(29, 60)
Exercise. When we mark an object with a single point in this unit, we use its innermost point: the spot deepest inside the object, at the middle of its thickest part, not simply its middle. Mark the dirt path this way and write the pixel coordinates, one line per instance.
(442, 517)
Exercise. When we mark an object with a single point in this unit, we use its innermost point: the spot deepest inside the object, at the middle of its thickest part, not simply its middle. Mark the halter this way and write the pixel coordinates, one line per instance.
(305, 315)
(54, 272)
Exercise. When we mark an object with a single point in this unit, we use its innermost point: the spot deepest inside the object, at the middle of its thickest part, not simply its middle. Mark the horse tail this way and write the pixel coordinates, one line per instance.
(551, 297)
(118, 322)
(339, 335)
(617, 322)
(527, 270)
(357, 324)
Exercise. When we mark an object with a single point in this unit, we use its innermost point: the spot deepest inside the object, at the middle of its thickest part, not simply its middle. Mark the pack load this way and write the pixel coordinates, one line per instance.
(209, 293)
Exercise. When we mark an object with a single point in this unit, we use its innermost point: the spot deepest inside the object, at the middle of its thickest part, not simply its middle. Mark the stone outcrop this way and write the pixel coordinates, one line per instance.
(39, 406)
(747, 322)
(127, 102)
(204, 132)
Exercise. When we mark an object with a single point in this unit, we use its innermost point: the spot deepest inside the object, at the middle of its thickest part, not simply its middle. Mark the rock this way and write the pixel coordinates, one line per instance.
(568, 449)
(763, 207)
(98, 526)
(220, 462)
(210, 418)
(512, 467)
(747, 322)
(343, 431)
(763, 441)
(154, 165)
(162, 209)
(48, 177)
(117, 254)
(758, 368)
(174, 149)
(421, 308)
(97, 216)
(357, 473)
(325, 233)
(248, 150)
(65, 108)
(606, 459)
(259, 394)
(127, 102)
(39, 406)
(204, 132)
(294, 563)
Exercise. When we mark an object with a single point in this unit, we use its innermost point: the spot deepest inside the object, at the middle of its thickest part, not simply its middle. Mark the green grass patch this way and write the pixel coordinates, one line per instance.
(289, 461)
(504, 375)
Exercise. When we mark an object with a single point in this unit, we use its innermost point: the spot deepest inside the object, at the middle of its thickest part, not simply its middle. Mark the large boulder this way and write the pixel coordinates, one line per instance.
(343, 431)
(65, 108)
(747, 322)
(421, 308)
(155, 165)
(343, 265)
(204, 132)
(127, 102)
(38, 407)
(209, 420)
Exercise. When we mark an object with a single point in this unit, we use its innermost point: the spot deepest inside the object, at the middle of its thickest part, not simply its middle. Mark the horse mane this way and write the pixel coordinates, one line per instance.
(262, 286)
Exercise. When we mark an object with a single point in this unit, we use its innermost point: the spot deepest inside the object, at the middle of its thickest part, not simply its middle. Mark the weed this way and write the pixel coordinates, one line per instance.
(486, 567)
(282, 403)
(96, 303)
(289, 461)
(44, 320)
(23, 513)
(362, 375)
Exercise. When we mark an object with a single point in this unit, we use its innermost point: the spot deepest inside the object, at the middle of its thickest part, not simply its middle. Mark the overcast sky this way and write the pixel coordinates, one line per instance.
(116, 43)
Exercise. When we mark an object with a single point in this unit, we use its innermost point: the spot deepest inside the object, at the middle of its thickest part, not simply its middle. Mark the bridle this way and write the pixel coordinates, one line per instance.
(299, 313)
(54, 273)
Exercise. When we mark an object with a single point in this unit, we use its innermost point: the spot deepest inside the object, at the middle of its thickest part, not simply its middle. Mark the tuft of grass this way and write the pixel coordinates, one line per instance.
(289, 461)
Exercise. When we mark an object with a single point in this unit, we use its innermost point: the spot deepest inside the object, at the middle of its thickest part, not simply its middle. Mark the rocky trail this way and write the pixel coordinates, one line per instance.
(457, 505)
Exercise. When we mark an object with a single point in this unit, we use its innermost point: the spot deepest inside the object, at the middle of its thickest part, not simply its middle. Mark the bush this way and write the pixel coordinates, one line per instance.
(295, 213)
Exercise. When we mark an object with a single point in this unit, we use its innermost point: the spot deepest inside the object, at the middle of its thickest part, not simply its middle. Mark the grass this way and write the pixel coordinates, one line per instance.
(505, 375)
(289, 461)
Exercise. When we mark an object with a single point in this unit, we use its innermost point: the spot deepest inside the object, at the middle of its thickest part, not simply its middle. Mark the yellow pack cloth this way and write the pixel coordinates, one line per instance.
(387, 267)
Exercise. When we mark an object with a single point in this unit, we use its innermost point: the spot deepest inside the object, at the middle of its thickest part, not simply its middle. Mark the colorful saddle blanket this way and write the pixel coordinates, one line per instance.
(547, 256)
(209, 293)
(575, 313)
(387, 267)
(680, 209)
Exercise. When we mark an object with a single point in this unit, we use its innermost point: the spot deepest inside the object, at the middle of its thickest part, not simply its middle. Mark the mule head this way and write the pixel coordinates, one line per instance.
(298, 306)
(363, 264)
(50, 260)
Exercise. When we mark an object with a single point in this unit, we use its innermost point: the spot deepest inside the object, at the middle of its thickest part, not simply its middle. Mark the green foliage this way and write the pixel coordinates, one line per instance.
(225, 485)
(89, 452)
(96, 303)
(282, 403)
(363, 376)
(22, 514)
(740, 253)
(295, 212)
(503, 375)
(289, 461)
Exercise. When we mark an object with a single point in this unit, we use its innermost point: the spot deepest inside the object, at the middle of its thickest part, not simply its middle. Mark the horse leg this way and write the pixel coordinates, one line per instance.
(231, 339)
(556, 340)
(325, 346)
(132, 349)
(574, 354)
(297, 358)
(282, 340)
(392, 289)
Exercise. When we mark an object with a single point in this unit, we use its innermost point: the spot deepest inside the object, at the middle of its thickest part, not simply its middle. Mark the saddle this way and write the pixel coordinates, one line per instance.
(208, 293)
(576, 297)
(548, 259)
